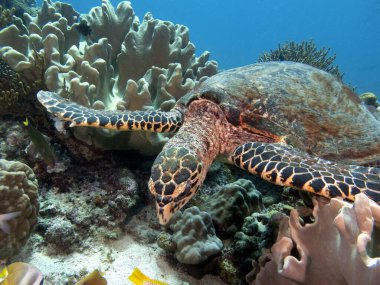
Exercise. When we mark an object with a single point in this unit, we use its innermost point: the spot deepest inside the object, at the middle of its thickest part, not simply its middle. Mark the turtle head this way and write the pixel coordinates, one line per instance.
(176, 176)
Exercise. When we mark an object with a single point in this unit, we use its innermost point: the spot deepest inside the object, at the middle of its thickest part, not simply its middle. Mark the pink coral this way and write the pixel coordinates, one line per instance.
(331, 250)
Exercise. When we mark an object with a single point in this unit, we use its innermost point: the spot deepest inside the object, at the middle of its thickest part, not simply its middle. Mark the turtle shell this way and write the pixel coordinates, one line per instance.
(313, 109)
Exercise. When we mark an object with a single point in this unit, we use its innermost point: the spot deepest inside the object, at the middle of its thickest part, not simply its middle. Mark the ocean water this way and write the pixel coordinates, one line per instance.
(100, 191)
(237, 32)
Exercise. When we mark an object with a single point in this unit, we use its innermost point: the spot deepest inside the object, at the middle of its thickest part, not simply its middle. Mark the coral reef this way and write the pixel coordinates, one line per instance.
(18, 193)
(257, 233)
(62, 235)
(94, 203)
(138, 66)
(371, 102)
(231, 204)
(229, 272)
(194, 236)
(20, 6)
(370, 99)
(13, 141)
(334, 249)
(305, 52)
(42, 42)
(14, 93)
(6, 16)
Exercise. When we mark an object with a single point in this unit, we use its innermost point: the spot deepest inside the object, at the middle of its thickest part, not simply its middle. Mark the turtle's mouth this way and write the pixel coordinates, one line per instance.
(165, 213)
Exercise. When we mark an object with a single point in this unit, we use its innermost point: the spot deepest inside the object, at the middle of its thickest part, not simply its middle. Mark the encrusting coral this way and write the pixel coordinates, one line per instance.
(305, 52)
(18, 193)
(138, 66)
(335, 249)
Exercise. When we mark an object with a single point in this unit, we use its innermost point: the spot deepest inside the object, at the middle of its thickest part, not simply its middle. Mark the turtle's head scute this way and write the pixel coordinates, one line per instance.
(176, 176)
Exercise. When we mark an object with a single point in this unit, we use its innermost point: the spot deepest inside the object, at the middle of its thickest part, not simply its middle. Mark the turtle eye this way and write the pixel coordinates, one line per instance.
(185, 192)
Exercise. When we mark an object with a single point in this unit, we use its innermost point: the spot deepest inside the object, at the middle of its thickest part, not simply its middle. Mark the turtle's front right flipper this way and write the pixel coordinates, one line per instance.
(153, 121)
(286, 166)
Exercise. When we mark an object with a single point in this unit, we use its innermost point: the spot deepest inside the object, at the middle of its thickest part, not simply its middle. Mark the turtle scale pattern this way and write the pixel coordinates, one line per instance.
(284, 165)
(153, 121)
(289, 123)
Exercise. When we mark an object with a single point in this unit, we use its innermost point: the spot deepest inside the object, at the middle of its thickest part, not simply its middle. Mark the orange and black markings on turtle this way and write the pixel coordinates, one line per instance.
(244, 115)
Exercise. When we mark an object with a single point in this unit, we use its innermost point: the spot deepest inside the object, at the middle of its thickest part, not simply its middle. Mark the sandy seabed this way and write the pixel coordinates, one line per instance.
(115, 258)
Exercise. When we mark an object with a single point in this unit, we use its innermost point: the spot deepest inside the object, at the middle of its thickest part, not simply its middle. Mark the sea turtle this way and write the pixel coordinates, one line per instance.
(287, 122)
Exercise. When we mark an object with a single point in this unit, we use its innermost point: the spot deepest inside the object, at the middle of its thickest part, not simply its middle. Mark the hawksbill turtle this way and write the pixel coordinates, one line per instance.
(289, 123)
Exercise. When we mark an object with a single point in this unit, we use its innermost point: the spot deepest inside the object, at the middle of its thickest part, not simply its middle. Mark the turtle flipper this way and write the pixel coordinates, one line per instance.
(283, 165)
(154, 121)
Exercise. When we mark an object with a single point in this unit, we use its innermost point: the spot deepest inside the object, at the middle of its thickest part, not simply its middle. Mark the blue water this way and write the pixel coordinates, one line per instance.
(237, 32)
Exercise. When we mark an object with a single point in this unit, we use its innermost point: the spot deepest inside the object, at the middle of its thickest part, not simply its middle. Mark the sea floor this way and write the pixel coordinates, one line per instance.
(115, 258)
(100, 215)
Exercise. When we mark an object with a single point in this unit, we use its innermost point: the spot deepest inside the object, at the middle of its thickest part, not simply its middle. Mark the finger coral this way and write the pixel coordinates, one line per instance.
(136, 66)
(18, 193)
(334, 249)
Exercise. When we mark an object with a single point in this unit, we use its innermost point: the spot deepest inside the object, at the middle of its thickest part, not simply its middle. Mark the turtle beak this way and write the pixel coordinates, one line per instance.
(164, 205)
(165, 208)
(164, 213)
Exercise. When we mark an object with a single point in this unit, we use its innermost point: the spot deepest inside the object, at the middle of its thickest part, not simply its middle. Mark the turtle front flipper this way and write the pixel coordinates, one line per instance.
(153, 121)
(283, 165)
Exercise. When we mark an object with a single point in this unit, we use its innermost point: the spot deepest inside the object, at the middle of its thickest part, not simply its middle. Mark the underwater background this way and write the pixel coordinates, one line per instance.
(89, 195)
(236, 33)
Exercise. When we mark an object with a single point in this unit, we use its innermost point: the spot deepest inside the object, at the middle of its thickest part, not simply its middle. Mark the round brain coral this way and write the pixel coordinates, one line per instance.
(18, 193)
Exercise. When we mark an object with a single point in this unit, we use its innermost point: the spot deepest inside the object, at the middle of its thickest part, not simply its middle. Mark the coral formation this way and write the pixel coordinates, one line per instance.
(18, 193)
(194, 236)
(138, 66)
(62, 235)
(371, 102)
(13, 140)
(231, 204)
(97, 202)
(20, 6)
(257, 233)
(305, 52)
(334, 249)
(370, 99)
(6, 16)
(13, 92)
(228, 272)
(42, 42)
